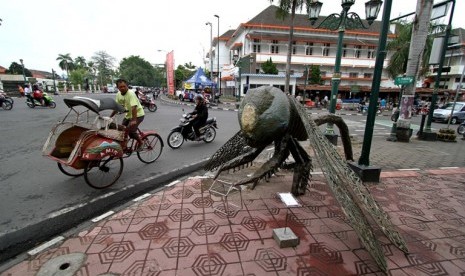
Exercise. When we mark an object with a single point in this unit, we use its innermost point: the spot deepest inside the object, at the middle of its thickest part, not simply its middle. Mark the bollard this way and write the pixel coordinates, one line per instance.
(422, 124)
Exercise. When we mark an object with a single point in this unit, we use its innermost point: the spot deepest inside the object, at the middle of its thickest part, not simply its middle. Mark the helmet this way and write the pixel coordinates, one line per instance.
(199, 97)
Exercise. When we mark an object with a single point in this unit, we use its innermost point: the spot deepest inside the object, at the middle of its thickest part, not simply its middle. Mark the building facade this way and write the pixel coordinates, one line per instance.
(265, 36)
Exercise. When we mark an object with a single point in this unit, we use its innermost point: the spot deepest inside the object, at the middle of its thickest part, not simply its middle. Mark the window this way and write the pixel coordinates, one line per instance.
(326, 49)
(323, 74)
(371, 52)
(344, 50)
(353, 75)
(357, 51)
(256, 46)
(309, 49)
(367, 75)
(294, 48)
(274, 47)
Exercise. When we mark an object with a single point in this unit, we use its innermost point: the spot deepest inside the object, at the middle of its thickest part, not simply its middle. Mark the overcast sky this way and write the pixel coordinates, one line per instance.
(39, 30)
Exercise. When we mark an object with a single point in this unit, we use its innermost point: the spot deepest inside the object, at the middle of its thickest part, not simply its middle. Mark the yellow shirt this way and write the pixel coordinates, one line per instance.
(129, 100)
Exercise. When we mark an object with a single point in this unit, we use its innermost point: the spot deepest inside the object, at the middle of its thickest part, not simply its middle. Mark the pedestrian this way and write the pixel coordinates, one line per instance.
(21, 91)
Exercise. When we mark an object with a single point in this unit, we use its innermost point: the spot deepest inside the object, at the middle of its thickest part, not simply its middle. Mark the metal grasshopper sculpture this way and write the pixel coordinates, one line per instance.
(266, 116)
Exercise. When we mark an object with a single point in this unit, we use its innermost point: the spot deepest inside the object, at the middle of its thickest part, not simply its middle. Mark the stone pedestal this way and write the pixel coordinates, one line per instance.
(366, 173)
(403, 134)
(285, 237)
(429, 136)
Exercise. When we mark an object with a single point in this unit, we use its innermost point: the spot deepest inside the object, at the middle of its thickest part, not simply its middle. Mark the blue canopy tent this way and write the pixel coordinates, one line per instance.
(198, 81)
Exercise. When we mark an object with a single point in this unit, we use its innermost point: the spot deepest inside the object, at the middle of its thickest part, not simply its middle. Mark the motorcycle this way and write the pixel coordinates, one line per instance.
(5, 101)
(184, 131)
(149, 102)
(48, 101)
(362, 108)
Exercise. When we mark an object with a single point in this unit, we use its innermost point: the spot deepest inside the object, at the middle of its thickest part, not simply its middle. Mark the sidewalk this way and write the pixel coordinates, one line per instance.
(176, 231)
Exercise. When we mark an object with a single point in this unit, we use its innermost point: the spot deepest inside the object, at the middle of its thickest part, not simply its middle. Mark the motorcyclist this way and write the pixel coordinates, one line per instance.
(199, 116)
(38, 95)
(140, 95)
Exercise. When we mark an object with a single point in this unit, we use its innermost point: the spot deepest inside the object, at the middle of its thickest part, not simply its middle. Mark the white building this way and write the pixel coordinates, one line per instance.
(265, 37)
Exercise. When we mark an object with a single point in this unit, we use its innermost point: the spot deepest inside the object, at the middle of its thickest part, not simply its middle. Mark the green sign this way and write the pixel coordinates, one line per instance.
(403, 80)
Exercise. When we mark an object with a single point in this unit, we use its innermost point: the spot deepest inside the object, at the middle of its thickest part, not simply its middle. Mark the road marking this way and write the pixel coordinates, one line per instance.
(447, 168)
(44, 246)
(99, 218)
(141, 197)
(65, 210)
(412, 169)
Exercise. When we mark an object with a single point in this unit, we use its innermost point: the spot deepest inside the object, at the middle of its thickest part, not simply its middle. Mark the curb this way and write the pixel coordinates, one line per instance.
(17, 242)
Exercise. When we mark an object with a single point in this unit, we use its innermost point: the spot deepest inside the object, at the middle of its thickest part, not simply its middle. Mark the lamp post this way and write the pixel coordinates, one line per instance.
(218, 56)
(341, 22)
(210, 55)
(24, 73)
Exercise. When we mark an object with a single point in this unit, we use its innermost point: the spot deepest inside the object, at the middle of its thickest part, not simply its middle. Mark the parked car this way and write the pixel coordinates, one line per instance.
(187, 95)
(442, 114)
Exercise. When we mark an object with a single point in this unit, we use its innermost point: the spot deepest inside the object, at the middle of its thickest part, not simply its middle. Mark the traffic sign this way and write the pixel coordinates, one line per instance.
(403, 80)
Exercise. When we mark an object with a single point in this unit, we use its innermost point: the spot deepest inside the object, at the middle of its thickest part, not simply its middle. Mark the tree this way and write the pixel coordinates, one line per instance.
(65, 62)
(137, 71)
(78, 76)
(315, 75)
(17, 69)
(80, 62)
(400, 48)
(268, 67)
(420, 28)
(181, 74)
(284, 7)
(104, 64)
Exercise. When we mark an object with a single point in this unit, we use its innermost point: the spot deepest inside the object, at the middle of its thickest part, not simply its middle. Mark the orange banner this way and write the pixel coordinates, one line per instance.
(170, 72)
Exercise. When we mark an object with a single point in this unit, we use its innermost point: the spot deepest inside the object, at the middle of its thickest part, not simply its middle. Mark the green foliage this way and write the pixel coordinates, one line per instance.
(103, 62)
(285, 6)
(181, 74)
(400, 48)
(17, 69)
(137, 71)
(268, 67)
(65, 62)
(78, 76)
(315, 75)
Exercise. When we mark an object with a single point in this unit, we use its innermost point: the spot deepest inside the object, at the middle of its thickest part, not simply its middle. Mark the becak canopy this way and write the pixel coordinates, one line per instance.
(198, 81)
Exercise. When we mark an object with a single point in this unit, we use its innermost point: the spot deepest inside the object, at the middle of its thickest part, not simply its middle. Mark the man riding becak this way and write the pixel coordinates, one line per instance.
(134, 110)
(199, 116)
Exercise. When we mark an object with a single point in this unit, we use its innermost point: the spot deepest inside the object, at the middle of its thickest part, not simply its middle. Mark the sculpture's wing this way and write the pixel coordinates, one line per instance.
(233, 148)
(351, 194)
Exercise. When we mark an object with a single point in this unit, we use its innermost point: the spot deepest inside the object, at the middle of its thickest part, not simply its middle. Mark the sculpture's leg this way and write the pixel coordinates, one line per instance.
(343, 130)
(301, 169)
(281, 152)
(240, 160)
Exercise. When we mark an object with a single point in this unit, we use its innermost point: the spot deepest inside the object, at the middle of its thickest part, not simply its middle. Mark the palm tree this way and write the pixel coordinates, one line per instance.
(284, 7)
(80, 62)
(420, 30)
(65, 62)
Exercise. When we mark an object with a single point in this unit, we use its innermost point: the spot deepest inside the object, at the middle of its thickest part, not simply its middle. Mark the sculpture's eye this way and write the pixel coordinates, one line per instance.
(249, 118)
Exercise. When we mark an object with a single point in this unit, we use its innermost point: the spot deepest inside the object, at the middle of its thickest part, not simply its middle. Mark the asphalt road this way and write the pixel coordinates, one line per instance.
(35, 195)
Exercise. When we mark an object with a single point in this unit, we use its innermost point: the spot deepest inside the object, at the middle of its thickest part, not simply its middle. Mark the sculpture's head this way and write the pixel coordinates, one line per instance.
(264, 115)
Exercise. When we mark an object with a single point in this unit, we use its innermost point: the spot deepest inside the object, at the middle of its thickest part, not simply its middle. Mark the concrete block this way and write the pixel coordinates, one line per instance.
(332, 138)
(285, 237)
(366, 173)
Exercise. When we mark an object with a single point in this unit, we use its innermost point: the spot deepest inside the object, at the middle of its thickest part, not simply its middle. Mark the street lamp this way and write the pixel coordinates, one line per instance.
(24, 73)
(218, 56)
(211, 41)
(341, 22)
